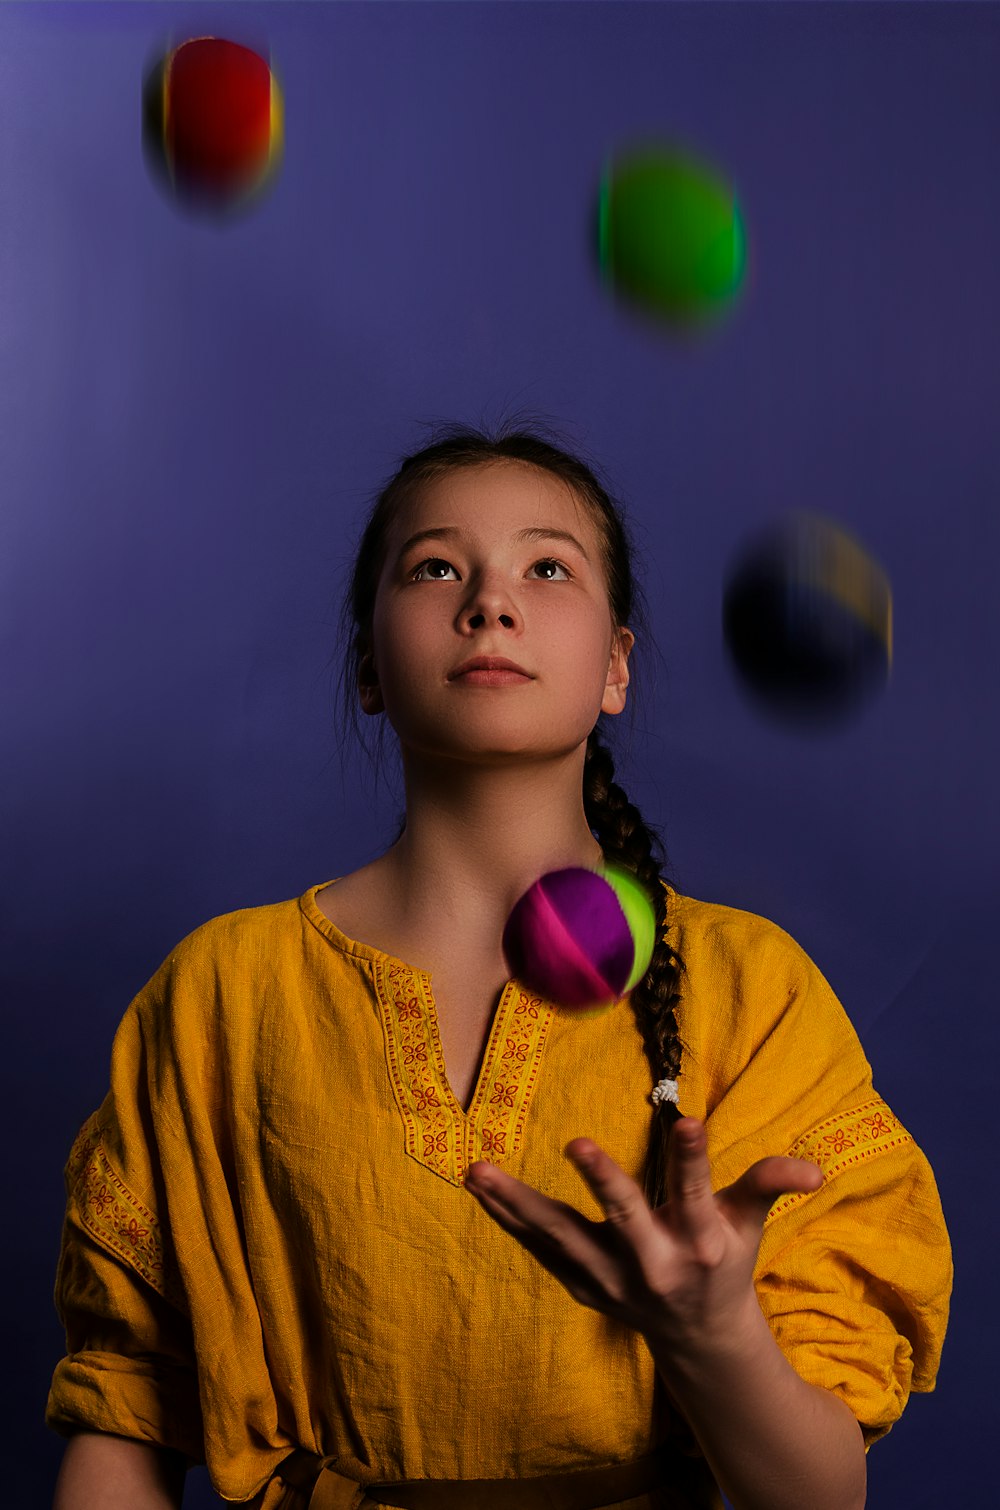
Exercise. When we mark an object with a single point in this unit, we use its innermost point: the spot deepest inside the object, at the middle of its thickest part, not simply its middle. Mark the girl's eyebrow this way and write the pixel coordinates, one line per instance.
(445, 532)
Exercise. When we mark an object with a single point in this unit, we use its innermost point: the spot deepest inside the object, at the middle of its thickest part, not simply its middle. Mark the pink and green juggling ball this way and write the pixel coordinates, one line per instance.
(581, 938)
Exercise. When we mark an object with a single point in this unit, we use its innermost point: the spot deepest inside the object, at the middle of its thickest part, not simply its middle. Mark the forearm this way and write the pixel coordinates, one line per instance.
(100, 1471)
(772, 1441)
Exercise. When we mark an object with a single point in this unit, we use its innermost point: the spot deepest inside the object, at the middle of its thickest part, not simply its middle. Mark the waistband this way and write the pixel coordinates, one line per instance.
(680, 1483)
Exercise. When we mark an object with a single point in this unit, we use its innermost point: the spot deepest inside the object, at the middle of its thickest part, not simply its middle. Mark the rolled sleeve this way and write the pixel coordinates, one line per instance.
(164, 1338)
(855, 1278)
(130, 1364)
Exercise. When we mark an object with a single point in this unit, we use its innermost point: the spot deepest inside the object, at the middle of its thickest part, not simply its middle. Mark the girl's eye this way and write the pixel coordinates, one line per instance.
(550, 561)
(433, 561)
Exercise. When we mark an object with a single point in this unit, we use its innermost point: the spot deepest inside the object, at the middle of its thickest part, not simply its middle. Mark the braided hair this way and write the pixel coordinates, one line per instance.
(617, 824)
(626, 841)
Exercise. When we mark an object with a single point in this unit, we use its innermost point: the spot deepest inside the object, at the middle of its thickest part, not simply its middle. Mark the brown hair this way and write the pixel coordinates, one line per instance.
(616, 823)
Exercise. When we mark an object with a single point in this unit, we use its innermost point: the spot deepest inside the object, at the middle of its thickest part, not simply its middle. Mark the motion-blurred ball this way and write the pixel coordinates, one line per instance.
(671, 238)
(213, 122)
(581, 938)
(807, 618)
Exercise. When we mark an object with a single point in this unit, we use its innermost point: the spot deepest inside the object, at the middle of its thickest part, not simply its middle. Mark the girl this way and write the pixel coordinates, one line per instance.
(363, 1222)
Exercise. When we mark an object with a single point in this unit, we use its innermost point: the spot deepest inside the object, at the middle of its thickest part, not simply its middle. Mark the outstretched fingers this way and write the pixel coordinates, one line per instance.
(749, 1199)
(621, 1199)
(689, 1178)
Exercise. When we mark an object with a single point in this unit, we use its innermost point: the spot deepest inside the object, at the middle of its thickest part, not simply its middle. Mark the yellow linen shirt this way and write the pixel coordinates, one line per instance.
(267, 1244)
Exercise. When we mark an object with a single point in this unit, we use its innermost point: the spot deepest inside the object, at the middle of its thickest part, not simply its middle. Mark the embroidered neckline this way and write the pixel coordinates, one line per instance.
(439, 1133)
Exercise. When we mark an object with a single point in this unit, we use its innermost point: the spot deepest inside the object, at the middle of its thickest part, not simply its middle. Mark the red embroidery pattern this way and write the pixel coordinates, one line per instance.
(438, 1133)
(113, 1216)
(846, 1139)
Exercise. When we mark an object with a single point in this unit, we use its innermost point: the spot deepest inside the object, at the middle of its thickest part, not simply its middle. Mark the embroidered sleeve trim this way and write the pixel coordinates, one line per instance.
(115, 1218)
(844, 1140)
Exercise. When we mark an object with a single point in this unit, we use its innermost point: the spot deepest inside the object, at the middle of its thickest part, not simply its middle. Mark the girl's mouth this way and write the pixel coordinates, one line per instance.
(494, 677)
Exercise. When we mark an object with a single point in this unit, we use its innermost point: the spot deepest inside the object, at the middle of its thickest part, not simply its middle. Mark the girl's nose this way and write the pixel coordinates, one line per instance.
(477, 620)
(490, 602)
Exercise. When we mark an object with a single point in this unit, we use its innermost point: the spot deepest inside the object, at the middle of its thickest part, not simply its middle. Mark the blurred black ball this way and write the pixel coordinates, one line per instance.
(807, 619)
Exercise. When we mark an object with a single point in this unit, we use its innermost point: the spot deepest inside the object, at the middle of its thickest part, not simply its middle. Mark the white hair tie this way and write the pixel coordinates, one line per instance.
(665, 1091)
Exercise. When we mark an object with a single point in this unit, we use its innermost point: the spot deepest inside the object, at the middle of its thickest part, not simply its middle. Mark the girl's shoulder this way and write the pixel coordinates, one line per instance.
(257, 939)
(763, 1030)
(227, 971)
(725, 930)
(265, 920)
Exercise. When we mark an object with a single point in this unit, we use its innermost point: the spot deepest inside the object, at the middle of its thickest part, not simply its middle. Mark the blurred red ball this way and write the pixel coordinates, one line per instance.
(213, 116)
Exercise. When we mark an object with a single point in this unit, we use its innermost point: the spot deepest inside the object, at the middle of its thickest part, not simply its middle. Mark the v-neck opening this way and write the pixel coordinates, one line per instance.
(385, 965)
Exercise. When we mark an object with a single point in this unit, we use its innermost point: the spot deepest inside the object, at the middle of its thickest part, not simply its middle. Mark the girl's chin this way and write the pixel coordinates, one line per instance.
(477, 748)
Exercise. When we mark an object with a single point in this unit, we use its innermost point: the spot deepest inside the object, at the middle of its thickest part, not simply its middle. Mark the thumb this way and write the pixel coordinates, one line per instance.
(757, 1189)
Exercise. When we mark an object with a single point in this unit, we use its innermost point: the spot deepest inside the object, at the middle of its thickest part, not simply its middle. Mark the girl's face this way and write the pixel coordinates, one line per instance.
(494, 580)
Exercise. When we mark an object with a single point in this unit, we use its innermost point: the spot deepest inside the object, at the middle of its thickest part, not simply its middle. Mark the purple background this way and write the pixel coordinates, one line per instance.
(195, 417)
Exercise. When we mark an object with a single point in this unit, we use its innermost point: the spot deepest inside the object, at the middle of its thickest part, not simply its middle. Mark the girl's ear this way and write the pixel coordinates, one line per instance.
(368, 687)
(614, 688)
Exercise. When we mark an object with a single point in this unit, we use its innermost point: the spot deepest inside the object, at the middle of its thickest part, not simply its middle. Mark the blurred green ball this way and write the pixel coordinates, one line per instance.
(671, 238)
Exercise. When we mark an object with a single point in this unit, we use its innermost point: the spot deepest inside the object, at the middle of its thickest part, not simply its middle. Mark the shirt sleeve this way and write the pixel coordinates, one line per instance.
(164, 1336)
(854, 1279)
(129, 1367)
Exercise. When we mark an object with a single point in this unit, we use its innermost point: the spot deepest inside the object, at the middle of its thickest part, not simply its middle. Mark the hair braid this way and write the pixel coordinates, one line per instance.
(626, 841)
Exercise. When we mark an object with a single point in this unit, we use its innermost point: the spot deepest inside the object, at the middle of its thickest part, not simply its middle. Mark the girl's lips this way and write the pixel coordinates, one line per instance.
(495, 677)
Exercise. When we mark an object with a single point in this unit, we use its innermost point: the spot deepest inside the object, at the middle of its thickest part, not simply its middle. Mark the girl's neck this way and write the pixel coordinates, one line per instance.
(477, 839)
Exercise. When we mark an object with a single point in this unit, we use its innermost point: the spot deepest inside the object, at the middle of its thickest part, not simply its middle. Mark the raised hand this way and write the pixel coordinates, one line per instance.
(680, 1274)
